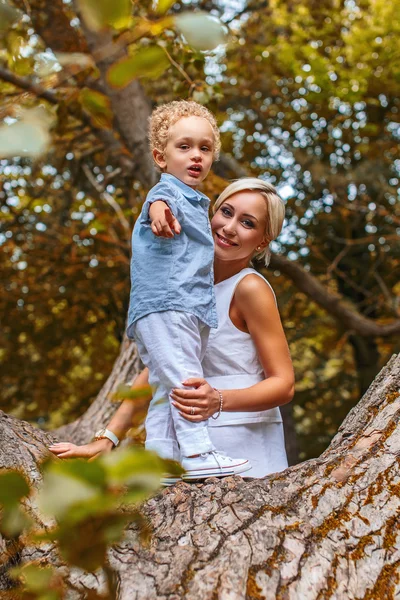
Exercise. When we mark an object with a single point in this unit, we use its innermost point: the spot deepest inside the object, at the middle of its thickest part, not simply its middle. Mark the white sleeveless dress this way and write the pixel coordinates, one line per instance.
(231, 362)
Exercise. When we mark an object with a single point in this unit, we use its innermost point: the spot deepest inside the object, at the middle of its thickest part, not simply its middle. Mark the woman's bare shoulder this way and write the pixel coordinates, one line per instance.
(254, 289)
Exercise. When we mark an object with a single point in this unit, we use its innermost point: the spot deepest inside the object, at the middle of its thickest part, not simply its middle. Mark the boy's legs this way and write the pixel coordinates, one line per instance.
(172, 344)
(160, 430)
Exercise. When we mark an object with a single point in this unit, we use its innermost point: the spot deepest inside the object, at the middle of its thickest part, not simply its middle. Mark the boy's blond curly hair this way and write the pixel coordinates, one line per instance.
(166, 115)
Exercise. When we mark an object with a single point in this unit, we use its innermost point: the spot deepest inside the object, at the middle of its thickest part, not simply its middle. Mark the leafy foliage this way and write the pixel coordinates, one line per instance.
(88, 506)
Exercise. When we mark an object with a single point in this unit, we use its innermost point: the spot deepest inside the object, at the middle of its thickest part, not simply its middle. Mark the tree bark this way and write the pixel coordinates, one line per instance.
(327, 528)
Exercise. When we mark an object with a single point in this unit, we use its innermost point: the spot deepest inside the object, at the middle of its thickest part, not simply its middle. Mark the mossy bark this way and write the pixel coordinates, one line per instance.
(326, 528)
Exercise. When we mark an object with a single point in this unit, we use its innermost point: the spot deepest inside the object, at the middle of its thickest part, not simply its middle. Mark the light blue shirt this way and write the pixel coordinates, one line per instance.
(173, 273)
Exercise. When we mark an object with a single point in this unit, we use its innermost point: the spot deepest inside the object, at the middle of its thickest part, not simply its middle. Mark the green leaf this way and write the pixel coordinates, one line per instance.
(36, 579)
(14, 521)
(88, 472)
(66, 485)
(147, 62)
(13, 487)
(133, 466)
(103, 14)
(163, 5)
(85, 61)
(125, 392)
(27, 137)
(98, 106)
(201, 30)
(8, 15)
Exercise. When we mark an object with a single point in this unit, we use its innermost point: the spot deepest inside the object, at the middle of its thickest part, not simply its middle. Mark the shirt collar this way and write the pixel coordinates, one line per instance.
(186, 190)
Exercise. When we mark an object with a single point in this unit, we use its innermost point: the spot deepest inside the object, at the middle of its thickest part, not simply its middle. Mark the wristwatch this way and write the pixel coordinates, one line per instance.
(106, 433)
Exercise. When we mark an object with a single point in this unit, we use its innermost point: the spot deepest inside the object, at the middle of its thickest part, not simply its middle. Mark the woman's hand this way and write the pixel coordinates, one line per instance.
(90, 451)
(197, 404)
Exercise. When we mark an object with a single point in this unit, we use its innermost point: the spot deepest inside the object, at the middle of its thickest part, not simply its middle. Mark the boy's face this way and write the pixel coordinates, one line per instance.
(189, 152)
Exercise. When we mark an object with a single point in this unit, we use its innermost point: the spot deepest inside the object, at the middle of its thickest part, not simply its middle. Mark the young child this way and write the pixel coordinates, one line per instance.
(172, 302)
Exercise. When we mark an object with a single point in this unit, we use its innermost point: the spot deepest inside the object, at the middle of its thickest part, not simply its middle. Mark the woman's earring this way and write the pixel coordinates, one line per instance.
(258, 248)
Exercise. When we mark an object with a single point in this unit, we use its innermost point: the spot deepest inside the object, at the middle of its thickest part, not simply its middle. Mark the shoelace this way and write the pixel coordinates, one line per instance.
(216, 454)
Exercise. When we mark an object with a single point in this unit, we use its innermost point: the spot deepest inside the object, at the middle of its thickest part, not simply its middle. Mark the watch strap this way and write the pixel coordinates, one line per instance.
(106, 433)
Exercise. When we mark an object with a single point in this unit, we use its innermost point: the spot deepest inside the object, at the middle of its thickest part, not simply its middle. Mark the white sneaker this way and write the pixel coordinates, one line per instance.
(213, 464)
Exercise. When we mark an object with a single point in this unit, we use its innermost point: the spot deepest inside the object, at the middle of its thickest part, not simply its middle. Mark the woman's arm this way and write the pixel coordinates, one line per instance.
(119, 424)
(255, 307)
(255, 303)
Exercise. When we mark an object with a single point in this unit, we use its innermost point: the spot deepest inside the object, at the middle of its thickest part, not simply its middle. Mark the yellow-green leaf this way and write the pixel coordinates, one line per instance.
(75, 58)
(28, 137)
(125, 392)
(163, 5)
(103, 14)
(60, 492)
(36, 578)
(13, 487)
(98, 106)
(13, 521)
(200, 30)
(147, 62)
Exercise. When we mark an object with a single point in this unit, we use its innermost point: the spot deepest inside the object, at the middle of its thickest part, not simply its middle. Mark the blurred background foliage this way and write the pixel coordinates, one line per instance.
(307, 94)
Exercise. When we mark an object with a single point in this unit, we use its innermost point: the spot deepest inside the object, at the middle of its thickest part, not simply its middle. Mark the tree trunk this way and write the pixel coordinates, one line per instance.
(101, 410)
(327, 528)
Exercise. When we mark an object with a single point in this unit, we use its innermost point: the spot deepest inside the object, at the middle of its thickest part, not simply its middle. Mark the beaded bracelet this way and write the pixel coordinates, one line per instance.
(221, 403)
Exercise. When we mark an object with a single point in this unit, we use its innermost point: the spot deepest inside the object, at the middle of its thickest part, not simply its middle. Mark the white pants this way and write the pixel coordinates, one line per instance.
(172, 345)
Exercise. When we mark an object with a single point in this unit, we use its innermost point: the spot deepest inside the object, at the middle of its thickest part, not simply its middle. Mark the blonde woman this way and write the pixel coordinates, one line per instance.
(247, 369)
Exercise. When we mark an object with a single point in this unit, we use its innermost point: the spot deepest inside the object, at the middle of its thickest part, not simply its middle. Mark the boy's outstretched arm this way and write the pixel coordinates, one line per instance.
(163, 222)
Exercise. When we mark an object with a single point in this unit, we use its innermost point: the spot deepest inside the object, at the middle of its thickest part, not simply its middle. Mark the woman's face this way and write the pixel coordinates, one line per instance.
(238, 226)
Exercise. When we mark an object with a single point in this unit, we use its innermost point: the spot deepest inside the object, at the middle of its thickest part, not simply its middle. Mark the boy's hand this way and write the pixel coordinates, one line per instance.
(163, 222)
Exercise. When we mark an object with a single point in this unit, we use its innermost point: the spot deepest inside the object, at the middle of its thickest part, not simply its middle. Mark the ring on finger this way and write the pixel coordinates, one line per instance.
(192, 410)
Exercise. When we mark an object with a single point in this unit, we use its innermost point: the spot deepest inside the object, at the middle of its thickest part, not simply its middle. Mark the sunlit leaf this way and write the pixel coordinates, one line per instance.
(163, 5)
(27, 137)
(75, 58)
(68, 484)
(101, 14)
(13, 487)
(8, 15)
(147, 62)
(35, 578)
(130, 465)
(201, 30)
(98, 106)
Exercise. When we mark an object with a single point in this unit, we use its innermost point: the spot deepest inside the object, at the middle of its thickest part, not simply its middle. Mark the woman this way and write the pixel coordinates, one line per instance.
(247, 367)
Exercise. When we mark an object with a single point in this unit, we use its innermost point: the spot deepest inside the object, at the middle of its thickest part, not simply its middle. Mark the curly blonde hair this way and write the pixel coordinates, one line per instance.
(275, 208)
(166, 115)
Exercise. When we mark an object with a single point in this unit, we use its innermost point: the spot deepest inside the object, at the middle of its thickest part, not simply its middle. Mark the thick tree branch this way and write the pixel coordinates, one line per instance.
(333, 520)
(333, 303)
(24, 83)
